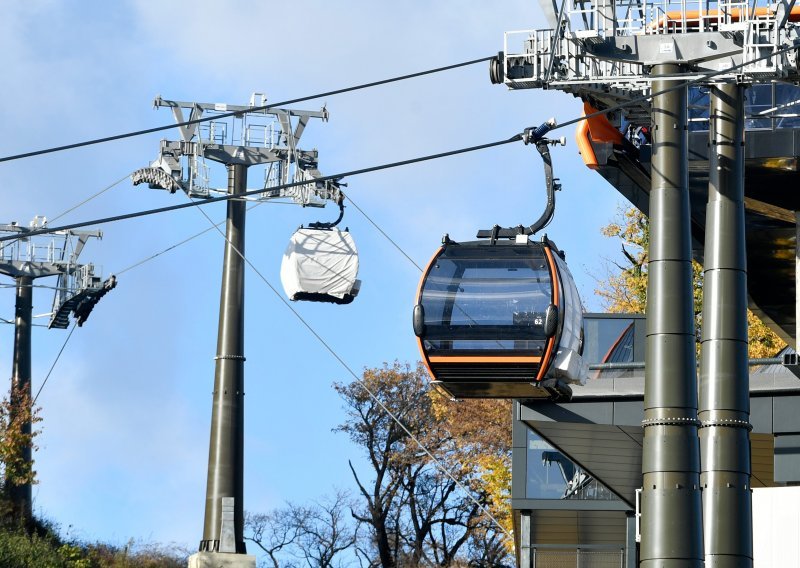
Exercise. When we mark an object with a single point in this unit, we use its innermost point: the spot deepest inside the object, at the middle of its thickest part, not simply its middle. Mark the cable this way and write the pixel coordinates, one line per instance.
(515, 138)
(88, 199)
(190, 238)
(47, 230)
(381, 231)
(169, 248)
(341, 361)
(355, 88)
(53, 366)
(240, 112)
(44, 382)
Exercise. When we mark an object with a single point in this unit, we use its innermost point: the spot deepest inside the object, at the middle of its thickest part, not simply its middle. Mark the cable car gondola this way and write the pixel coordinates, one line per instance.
(501, 317)
(321, 264)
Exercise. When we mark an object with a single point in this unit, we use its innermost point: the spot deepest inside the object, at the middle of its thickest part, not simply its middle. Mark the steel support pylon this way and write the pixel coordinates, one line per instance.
(226, 449)
(671, 525)
(20, 493)
(724, 409)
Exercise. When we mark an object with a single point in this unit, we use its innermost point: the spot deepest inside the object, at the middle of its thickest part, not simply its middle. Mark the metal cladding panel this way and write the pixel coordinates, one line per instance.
(519, 462)
(762, 460)
(761, 413)
(578, 527)
(787, 458)
(785, 417)
(629, 413)
(585, 412)
(770, 143)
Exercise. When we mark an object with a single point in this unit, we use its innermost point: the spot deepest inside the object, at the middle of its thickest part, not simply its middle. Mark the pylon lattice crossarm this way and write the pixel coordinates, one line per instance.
(239, 136)
(604, 51)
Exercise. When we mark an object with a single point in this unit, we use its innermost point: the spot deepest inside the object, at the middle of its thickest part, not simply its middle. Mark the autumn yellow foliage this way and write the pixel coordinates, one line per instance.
(482, 428)
(625, 290)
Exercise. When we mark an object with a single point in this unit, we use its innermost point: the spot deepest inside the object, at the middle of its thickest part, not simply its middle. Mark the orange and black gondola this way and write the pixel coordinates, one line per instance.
(501, 317)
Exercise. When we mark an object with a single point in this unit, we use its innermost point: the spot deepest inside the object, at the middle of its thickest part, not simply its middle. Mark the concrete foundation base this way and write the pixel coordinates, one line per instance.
(221, 560)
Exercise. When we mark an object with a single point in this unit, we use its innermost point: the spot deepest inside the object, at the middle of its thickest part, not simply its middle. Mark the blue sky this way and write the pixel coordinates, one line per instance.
(126, 412)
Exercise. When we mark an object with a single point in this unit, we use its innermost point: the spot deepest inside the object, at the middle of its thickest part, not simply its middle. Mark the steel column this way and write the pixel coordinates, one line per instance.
(671, 525)
(20, 494)
(226, 451)
(630, 558)
(724, 409)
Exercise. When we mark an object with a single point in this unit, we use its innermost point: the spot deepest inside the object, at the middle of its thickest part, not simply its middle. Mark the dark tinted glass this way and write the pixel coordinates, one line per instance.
(608, 340)
(476, 303)
(758, 101)
(787, 106)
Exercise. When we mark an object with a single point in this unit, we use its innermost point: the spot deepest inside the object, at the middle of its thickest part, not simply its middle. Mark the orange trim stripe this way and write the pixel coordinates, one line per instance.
(483, 359)
(549, 347)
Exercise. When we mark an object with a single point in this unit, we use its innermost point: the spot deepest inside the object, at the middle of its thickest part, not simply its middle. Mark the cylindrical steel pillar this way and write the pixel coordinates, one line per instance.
(20, 398)
(724, 409)
(226, 451)
(671, 525)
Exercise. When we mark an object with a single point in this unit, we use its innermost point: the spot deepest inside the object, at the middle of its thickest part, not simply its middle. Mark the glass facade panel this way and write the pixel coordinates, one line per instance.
(787, 106)
(757, 102)
(609, 340)
(698, 108)
(767, 106)
(551, 475)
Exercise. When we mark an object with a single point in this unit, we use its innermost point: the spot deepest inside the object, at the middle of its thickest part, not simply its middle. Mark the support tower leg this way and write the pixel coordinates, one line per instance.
(671, 527)
(724, 409)
(19, 493)
(226, 451)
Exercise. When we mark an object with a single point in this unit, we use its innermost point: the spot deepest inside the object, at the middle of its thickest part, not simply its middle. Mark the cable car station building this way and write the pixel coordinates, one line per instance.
(700, 131)
(577, 465)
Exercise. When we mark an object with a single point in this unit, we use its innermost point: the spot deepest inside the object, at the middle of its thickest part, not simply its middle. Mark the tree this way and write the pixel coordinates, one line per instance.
(626, 290)
(420, 506)
(437, 485)
(273, 532)
(17, 413)
(482, 431)
(325, 530)
(315, 534)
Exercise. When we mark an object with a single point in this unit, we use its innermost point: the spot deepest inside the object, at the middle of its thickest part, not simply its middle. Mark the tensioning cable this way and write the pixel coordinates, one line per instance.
(240, 112)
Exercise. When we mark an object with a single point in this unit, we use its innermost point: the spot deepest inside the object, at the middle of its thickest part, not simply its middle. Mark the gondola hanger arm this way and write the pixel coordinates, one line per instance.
(535, 135)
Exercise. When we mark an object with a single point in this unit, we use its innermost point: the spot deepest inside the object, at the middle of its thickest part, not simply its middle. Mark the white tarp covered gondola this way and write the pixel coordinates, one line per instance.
(321, 265)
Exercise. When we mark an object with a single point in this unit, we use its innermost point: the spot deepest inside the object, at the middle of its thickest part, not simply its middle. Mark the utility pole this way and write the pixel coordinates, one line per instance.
(77, 291)
(672, 521)
(269, 137)
(226, 449)
(724, 375)
(21, 407)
